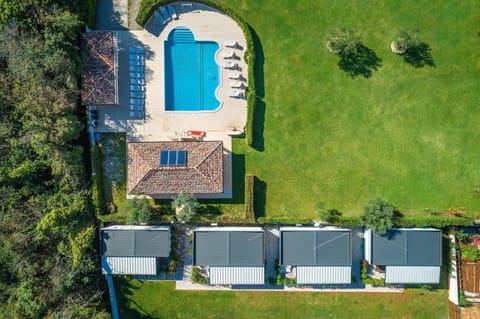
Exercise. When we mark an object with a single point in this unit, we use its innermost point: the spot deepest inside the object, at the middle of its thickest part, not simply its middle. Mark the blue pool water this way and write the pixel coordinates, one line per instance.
(191, 73)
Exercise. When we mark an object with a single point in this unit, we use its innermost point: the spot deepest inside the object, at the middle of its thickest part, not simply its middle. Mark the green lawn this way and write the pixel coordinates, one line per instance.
(160, 300)
(407, 134)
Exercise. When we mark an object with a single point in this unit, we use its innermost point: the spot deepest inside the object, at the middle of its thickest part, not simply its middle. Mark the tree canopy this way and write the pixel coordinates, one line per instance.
(185, 206)
(379, 215)
(48, 251)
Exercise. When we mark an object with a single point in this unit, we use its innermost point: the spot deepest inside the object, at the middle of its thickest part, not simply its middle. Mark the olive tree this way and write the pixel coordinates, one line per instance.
(405, 40)
(185, 206)
(379, 215)
(139, 211)
(343, 41)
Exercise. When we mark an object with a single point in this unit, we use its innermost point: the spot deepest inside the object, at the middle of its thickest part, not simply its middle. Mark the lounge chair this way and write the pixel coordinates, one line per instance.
(137, 88)
(137, 81)
(165, 13)
(172, 11)
(136, 62)
(235, 93)
(137, 95)
(234, 75)
(135, 56)
(136, 68)
(134, 107)
(228, 54)
(229, 65)
(136, 50)
(136, 102)
(137, 114)
(236, 84)
(137, 75)
(159, 17)
(230, 43)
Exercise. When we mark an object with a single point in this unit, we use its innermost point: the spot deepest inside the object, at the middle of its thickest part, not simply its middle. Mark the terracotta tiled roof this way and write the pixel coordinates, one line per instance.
(98, 78)
(202, 174)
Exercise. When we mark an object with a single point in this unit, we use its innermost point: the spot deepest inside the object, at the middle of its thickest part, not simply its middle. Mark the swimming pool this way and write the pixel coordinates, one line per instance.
(191, 73)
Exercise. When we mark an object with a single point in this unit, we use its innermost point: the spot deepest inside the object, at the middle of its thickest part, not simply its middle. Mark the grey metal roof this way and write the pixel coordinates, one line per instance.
(408, 247)
(136, 242)
(228, 248)
(316, 247)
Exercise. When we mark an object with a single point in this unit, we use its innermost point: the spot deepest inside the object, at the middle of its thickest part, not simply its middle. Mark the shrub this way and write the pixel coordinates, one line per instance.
(91, 12)
(469, 253)
(147, 7)
(172, 267)
(434, 221)
(249, 198)
(139, 211)
(98, 196)
(331, 216)
(462, 300)
(462, 236)
(185, 206)
(379, 215)
(197, 277)
(343, 41)
(407, 39)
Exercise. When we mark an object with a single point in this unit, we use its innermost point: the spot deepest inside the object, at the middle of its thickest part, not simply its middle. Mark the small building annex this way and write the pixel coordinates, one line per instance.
(408, 255)
(317, 255)
(133, 250)
(233, 255)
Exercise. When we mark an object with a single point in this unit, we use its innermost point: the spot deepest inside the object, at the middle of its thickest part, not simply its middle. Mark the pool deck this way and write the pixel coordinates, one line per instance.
(206, 25)
(160, 125)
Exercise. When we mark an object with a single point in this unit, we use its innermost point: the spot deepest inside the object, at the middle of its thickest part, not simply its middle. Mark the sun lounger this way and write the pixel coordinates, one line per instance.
(136, 102)
(228, 54)
(172, 11)
(135, 56)
(234, 75)
(136, 62)
(137, 95)
(229, 65)
(137, 88)
(137, 75)
(137, 114)
(136, 68)
(136, 50)
(134, 107)
(137, 81)
(234, 93)
(159, 17)
(236, 84)
(165, 13)
(230, 43)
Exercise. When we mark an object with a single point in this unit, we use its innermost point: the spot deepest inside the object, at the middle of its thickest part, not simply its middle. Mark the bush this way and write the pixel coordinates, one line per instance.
(434, 221)
(407, 39)
(463, 236)
(379, 215)
(469, 253)
(98, 196)
(197, 277)
(185, 206)
(249, 198)
(343, 41)
(91, 13)
(147, 7)
(139, 211)
(331, 216)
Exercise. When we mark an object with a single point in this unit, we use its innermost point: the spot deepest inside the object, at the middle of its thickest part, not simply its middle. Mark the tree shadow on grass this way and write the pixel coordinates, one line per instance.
(419, 56)
(361, 61)
(259, 197)
(127, 306)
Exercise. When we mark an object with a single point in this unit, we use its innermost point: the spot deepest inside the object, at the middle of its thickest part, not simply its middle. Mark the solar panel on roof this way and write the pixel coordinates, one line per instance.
(163, 157)
(181, 157)
(173, 157)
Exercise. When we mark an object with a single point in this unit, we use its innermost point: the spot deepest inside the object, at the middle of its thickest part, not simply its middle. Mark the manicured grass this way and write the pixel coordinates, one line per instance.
(161, 300)
(407, 134)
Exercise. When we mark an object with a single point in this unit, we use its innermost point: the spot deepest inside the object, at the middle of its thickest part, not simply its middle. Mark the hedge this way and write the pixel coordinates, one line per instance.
(147, 7)
(91, 13)
(98, 196)
(434, 221)
(249, 198)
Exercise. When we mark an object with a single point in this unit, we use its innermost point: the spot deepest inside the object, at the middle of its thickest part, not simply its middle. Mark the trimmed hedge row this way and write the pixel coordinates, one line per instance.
(147, 7)
(91, 13)
(249, 197)
(434, 221)
(98, 196)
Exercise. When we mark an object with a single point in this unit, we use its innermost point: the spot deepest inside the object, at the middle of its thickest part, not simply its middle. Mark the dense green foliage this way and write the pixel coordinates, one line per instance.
(379, 215)
(48, 256)
(147, 7)
(138, 210)
(98, 193)
(185, 206)
(343, 41)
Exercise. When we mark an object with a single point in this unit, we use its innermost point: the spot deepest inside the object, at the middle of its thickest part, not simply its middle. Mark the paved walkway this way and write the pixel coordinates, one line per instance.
(112, 15)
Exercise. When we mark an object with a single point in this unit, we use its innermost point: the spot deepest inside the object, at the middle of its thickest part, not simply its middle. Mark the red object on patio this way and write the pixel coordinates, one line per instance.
(196, 133)
(477, 241)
